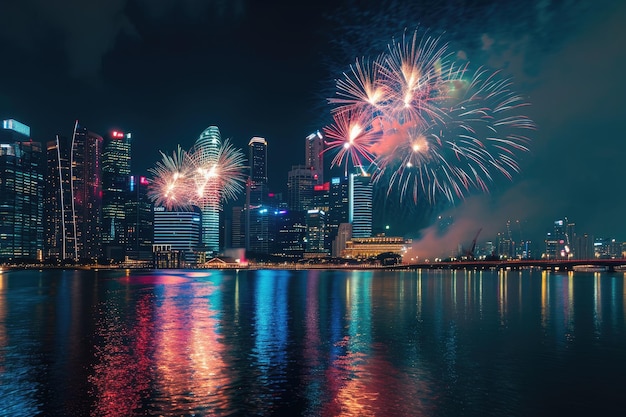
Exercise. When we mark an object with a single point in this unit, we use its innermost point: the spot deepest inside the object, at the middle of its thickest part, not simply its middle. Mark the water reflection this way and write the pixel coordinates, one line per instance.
(309, 343)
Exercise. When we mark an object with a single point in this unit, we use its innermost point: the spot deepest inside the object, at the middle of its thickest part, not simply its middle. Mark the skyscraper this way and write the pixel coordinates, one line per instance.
(316, 233)
(138, 235)
(300, 182)
(360, 200)
(59, 231)
(313, 155)
(257, 183)
(86, 174)
(21, 193)
(339, 207)
(256, 189)
(116, 158)
(208, 147)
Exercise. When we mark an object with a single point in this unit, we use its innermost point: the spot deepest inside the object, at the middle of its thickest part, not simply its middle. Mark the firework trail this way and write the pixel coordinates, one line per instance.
(182, 179)
(425, 126)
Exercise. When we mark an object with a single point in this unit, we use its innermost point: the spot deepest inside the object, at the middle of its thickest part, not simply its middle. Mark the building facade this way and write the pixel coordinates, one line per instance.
(180, 231)
(314, 155)
(207, 150)
(86, 185)
(360, 205)
(116, 159)
(22, 167)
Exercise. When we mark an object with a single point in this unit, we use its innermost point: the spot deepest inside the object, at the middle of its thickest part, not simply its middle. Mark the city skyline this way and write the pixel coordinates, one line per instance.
(572, 84)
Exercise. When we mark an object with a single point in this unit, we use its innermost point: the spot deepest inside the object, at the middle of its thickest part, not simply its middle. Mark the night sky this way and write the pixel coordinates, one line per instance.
(166, 69)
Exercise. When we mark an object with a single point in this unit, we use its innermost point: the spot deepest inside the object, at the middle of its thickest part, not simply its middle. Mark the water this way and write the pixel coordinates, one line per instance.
(311, 343)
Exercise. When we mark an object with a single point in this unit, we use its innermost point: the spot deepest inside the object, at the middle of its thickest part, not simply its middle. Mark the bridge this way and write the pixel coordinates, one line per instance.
(546, 264)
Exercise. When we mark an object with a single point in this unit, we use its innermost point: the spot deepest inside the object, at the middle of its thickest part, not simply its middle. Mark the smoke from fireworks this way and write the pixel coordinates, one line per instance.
(182, 179)
(425, 125)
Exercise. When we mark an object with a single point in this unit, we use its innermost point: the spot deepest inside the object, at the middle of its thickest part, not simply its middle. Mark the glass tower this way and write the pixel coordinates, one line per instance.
(314, 155)
(21, 194)
(59, 231)
(115, 172)
(86, 178)
(360, 200)
(207, 149)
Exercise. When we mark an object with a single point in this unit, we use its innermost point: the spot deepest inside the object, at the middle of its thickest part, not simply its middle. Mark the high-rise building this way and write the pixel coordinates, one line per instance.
(290, 234)
(256, 190)
(179, 231)
(74, 196)
(237, 231)
(116, 158)
(21, 194)
(314, 155)
(86, 176)
(208, 147)
(316, 233)
(339, 207)
(360, 205)
(138, 234)
(300, 182)
(59, 231)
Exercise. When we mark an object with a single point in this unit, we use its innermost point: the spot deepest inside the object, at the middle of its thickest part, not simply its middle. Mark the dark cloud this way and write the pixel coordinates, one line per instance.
(90, 29)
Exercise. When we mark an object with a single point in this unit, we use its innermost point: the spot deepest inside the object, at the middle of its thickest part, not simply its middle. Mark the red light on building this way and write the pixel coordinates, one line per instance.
(322, 187)
(117, 134)
(143, 181)
(271, 195)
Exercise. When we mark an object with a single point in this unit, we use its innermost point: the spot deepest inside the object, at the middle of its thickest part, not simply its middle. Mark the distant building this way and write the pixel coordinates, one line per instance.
(314, 157)
(237, 229)
(344, 234)
(208, 146)
(360, 205)
(300, 182)
(59, 230)
(369, 247)
(138, 233)
(116, 157)
(22, 166)
(291, 232)
(86, 186)
(74, 197)
(316, 233)
(338, 206)
(257, 158)
(558, 244)
(180, 231)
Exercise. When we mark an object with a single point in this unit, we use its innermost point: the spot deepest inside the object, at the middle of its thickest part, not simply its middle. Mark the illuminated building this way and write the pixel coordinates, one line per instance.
(369, 247)
(291, 234)
(257, 157)
(360, 205)
(300, 182)
(338, 206)
(59, 231)
(313, 156)
(115, 172)
(86, 186)
(558, 242)
(21, 194)
(208, 146)
(138, 234)
(315, 233)
(256, 190)
(180, 231)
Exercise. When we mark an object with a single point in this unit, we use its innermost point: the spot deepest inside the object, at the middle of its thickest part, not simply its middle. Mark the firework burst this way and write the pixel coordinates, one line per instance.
(425, 125)
(184, 179)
